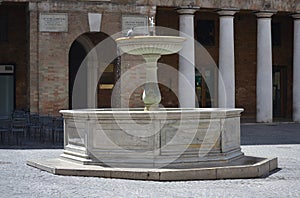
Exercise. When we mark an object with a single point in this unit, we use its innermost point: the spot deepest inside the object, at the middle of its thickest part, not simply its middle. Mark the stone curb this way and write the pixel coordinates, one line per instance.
(58, 166)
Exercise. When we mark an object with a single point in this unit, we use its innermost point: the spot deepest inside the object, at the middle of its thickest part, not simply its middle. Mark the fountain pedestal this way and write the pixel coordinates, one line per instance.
(151, 95)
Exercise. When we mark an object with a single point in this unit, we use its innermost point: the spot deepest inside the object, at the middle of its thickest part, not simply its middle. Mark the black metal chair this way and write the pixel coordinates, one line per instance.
(58, 131)
(18, 114)
(19, 129)
(34, 128)
(46, 130)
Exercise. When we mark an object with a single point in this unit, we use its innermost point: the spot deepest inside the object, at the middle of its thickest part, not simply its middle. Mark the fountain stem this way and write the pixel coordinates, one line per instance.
(151, 95)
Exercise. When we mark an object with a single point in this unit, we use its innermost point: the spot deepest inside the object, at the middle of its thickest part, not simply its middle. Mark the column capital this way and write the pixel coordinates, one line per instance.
(296, 15)
(187, 10)
(227, 11)
(265, 13)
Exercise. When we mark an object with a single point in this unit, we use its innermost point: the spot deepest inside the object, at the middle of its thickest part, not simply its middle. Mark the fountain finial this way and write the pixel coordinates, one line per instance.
(152, 26)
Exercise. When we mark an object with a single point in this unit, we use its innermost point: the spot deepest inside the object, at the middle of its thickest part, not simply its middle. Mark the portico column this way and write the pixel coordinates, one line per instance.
(92, 83)
(226, 88)
(296, 69)
(186, 77)
(264, 84)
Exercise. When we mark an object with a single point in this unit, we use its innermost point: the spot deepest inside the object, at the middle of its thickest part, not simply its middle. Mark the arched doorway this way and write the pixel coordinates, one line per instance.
(76, 57)
(92, 71)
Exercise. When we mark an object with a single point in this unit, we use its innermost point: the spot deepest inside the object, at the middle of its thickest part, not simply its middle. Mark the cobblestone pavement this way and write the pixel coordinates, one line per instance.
(19, 180)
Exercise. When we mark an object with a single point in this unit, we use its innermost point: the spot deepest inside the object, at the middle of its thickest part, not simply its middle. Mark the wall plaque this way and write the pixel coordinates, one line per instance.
(139, 22)
(53, 22)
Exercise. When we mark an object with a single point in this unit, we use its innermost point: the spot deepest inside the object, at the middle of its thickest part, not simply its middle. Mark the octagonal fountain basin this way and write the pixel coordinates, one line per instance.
(152, 139)
(141, 45)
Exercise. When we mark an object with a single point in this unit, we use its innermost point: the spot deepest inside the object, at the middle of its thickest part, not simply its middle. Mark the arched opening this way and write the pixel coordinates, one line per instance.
(76, 56)
(92, 71)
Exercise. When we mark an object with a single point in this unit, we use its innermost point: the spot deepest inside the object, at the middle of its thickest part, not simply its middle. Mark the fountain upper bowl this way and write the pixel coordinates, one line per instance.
(144, 45)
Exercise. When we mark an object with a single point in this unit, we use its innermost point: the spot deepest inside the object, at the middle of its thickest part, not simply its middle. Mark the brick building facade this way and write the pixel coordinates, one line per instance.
(258, 75)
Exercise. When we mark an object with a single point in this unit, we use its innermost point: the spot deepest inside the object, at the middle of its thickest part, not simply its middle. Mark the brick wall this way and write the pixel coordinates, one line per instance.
(49, 66)
(168, 18)
(133, 76)
(245, 63)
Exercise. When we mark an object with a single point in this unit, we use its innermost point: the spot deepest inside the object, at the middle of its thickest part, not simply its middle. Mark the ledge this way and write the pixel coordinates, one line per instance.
(248, 167)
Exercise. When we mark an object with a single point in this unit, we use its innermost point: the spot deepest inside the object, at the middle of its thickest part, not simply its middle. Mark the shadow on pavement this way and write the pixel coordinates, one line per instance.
(268, 134)
(32, 145)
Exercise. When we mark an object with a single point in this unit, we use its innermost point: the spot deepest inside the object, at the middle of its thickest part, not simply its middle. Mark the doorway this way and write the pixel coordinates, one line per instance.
(279, 91)
(202, 92)
(7, 90)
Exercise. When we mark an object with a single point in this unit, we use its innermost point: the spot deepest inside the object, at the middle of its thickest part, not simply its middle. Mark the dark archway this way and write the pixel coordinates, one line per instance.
(76, 56)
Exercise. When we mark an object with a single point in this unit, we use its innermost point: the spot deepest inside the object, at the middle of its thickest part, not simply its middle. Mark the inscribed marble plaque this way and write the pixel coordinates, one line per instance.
(53, 22)
(139, 22)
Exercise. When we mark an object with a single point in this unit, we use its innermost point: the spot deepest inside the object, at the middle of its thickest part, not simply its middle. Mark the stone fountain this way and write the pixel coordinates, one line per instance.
(154, 143)
(151, 48)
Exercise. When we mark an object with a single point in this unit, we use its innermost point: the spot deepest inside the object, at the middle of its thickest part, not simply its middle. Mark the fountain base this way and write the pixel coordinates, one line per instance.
(167, 144)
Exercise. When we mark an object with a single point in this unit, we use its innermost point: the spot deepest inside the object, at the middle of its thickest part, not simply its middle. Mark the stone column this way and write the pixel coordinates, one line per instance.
(226, 83)
(296, 69)
(186, 77)
(264, 84)
(92, 83)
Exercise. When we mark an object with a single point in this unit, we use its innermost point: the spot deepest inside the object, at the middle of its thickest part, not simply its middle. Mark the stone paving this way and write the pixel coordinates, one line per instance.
(19, 180)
